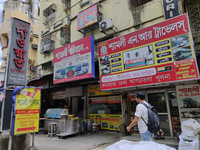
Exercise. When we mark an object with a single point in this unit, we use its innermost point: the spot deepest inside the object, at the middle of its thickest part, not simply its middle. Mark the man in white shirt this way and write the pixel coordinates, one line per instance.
(141, 111)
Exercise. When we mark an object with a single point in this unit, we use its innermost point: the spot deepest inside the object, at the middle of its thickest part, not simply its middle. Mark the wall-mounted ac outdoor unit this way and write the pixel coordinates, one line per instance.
(64, 36)
(105, 24)
(34, 46)
(33, 68)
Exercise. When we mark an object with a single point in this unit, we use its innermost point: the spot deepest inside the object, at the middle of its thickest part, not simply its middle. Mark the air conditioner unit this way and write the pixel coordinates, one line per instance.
(106, 24)
(32, 68)
(34, 46)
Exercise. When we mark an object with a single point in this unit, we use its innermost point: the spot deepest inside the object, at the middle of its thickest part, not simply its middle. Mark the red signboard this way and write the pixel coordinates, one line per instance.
(156, 54)
(87, 17)
(74, 61)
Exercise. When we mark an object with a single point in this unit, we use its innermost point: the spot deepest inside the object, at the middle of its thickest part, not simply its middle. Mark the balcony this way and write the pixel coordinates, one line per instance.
(49, 18)
(48, 47)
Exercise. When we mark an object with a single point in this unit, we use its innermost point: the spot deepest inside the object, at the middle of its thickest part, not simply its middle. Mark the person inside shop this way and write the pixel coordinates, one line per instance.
(160, 135)
(141, 111)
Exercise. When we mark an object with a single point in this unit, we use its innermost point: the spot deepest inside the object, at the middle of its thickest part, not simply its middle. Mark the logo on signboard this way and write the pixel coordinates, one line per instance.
(103, 49)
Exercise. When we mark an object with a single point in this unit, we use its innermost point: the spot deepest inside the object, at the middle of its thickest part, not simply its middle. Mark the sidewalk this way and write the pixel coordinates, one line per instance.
(90, 141)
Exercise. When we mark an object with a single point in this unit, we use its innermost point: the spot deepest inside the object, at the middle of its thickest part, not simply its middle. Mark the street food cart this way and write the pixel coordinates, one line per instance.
(65, 124)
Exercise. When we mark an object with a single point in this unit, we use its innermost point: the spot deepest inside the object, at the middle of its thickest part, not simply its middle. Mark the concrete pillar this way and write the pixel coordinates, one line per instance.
(4, 139)
(21, 142)
(124, 115)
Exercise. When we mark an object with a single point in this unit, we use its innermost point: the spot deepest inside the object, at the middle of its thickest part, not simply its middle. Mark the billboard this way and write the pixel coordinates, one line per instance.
(189, 101)
(26, 110)
(18, 49)
(156, 54)
(74, 61)
(87, 17)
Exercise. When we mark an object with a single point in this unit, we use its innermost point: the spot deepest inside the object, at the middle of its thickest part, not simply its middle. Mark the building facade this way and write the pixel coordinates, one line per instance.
(103, 25)
(26, 11)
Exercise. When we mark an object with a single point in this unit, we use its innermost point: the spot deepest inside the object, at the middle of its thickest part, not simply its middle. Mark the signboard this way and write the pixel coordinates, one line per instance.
(58, 95)
(99, 99)
(156, 54)
(26, 110)
(114, 122)
(87, 17)
(189, 101)
(114, 99)
(18, 48)
(94, 90)
(170, 8)
(110, 122)
(42, 84)
(74, 61)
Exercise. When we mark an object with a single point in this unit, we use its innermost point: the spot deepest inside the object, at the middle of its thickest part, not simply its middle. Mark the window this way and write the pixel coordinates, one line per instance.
(136, 3)
(49, 10)
(49, 13)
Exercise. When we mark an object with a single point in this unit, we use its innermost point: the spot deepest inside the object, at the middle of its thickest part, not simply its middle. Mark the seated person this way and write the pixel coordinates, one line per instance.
(160, 135)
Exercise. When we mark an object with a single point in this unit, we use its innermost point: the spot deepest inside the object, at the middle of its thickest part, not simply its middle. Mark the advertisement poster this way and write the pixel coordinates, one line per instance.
(74, 61)
(18, 49)
(189, 101)
(87, 17)
(114, 122)
(110, 122)
(156, 54)
(26, 110)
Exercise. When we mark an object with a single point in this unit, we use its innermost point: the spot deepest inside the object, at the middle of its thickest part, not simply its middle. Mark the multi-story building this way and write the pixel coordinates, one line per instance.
(27, 11)
(120, 36)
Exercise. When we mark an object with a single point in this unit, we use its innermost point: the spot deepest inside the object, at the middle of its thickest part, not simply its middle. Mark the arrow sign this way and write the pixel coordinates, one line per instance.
(26, 129)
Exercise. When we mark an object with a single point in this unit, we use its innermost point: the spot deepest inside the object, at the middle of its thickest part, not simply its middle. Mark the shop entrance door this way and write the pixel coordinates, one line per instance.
(160, 101)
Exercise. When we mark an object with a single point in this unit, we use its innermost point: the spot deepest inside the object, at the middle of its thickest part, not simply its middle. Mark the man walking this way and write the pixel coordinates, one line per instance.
(141, 111)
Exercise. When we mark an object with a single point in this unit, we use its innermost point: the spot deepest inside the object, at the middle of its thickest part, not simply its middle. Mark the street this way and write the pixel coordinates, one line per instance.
(90, 141)
(85, 141)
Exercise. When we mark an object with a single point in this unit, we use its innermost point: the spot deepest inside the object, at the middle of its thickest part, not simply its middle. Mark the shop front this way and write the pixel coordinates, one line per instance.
(156, 60)
(73, 65)
(105, 108)
(166, 104)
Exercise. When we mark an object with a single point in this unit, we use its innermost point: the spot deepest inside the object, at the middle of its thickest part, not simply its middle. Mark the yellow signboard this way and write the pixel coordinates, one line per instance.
(26, 110)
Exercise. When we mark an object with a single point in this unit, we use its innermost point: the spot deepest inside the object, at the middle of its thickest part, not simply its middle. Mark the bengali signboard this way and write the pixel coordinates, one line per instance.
(110, 122)
(94, 90)
(189, 101)
(74, 61)
(26, 110)
(18, 47)
(58, 95)
(156, 54)
(87, 17)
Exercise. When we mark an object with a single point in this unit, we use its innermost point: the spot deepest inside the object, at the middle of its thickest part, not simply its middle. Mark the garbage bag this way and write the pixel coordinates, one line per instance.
(190, 127)
(188, 143)
(143, 145)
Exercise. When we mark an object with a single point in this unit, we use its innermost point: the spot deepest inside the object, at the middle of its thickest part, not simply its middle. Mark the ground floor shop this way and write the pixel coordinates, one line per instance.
(166, 104)
(108, 107)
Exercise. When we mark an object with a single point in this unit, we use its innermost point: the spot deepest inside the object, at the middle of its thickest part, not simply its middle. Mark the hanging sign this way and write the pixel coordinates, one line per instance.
(18, 47)
(170, 8)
